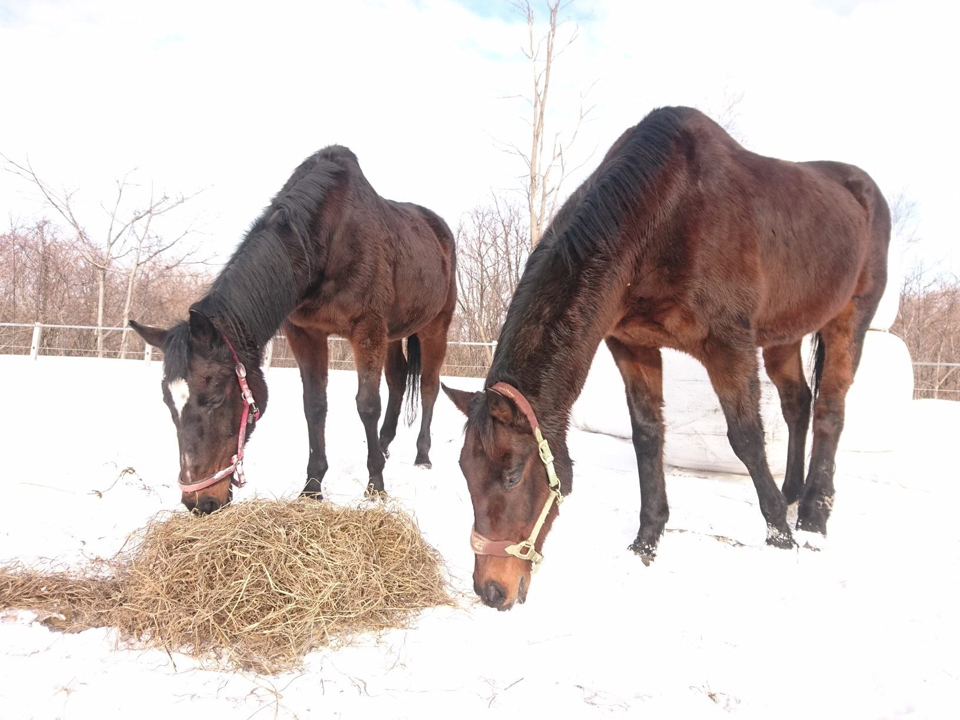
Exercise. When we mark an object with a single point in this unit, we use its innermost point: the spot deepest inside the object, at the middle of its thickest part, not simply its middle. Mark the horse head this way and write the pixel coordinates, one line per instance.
(210, 394)
(513, 487)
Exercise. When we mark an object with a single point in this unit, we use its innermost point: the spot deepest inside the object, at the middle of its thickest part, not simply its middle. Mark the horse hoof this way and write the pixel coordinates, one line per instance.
(812, 524)
(644, 551)
(780, 538)
(425, 465)
(312, 488)
(373, 493)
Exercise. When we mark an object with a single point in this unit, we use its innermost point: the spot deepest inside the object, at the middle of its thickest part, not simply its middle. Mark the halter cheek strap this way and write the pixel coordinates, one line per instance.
(250, 414)
(525, 549)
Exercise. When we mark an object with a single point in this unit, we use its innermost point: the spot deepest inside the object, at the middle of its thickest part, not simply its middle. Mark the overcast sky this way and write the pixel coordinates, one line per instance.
(231, 97)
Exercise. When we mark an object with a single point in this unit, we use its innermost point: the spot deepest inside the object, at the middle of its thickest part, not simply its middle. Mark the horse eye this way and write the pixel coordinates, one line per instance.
(513, 477)
(216, 402)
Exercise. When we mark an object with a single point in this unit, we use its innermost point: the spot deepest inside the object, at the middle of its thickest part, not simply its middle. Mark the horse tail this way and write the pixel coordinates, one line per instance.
(819, 352)
(414, 364)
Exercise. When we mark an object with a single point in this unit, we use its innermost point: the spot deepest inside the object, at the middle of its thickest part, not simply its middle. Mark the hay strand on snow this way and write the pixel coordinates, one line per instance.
(257, 584)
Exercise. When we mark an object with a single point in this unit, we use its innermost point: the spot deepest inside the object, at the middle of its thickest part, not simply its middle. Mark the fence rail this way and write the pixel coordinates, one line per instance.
(466, 359)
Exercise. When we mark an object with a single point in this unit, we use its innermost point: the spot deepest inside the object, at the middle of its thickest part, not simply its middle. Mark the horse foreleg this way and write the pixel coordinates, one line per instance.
(310, 351)
(734, 374)
(642, 372)
(395, 370)
(370, 350)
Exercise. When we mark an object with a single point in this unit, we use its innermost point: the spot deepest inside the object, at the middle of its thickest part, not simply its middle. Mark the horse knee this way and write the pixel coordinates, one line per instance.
(368, 407)
(828, 423)
(796, 407)
(746, 439)
(429, 390)
(647, 437)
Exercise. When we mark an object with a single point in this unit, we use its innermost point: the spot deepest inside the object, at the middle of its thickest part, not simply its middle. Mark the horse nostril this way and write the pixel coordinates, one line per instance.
(494, 595)
(207, 506)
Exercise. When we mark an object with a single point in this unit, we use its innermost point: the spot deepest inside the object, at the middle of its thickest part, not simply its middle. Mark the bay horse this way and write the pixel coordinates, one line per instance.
(328, 256)
(681, 239)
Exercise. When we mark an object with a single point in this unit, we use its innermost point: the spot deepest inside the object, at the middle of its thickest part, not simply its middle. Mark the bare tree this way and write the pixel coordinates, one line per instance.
(492, 247)
(45, 279)
(928, 320)
(147, 247)
(116, 242)
(727, 114)
(547, 163)
(903, 220)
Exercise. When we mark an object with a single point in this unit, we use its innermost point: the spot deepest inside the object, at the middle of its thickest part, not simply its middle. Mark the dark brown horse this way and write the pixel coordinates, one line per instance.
(682, 239)
(329, 256)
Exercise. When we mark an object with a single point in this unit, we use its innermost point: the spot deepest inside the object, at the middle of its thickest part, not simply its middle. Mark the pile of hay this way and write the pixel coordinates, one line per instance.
(256, 585)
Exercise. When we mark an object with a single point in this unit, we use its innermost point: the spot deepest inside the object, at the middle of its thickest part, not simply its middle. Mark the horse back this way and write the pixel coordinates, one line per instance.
(752, 241)
(374, 258)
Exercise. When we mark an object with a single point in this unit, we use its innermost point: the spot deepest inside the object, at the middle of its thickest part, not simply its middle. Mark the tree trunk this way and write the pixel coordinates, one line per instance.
(128, 301)
(101, 292)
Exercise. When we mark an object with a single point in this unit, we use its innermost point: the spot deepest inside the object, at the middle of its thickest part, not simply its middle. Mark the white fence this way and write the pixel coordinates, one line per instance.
(468, 359)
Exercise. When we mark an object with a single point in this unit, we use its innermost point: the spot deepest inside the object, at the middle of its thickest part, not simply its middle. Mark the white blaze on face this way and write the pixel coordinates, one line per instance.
(180, 392)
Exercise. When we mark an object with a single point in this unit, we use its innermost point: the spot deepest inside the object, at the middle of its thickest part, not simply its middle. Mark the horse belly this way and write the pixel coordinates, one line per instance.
(652, 323)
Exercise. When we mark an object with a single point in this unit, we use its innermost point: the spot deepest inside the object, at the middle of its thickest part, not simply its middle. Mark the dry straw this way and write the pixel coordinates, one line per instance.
(255, 586)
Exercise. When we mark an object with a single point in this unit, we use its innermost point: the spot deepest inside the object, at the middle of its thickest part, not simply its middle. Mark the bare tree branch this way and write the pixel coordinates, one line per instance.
(541, 187)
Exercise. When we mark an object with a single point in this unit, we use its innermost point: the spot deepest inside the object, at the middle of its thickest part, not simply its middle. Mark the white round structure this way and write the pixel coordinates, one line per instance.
(696, 430)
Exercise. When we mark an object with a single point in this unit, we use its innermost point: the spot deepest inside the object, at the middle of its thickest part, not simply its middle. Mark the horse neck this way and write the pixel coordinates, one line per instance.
(554, 325)
(259, 287)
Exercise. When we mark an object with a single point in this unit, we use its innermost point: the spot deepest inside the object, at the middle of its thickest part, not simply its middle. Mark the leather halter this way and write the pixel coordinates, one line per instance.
(250, 414)
(525, 549)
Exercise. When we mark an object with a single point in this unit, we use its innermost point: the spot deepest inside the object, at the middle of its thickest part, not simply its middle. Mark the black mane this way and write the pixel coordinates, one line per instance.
(590, 220)
(276, 261)
(587, 227)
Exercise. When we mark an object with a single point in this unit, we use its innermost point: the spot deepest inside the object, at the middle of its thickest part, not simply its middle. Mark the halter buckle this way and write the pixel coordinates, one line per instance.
(238, 476)
(525, 550)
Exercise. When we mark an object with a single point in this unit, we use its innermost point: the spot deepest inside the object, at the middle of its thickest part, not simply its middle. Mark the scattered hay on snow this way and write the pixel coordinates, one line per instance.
(256, 585)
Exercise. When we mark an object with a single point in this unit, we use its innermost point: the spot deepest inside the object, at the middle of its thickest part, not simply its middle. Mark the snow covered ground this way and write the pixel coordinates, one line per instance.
(866, 628)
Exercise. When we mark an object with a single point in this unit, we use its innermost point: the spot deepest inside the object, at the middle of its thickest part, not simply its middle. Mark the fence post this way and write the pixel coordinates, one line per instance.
(147, 352)
(35, 342)
(268, 354)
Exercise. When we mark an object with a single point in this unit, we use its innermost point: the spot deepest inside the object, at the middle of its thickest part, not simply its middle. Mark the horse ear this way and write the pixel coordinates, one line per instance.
(505, 410)
(152, 335)
(460, 398)
(202, 329)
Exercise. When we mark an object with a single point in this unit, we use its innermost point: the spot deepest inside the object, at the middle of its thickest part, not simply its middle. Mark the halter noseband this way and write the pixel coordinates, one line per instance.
(525, 549)
(250, 413)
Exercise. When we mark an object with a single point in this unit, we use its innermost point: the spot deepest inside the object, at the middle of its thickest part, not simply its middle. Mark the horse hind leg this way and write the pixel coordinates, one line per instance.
(784, 365)
(734, 374)
(395, 370)
(433, 349)
(369, 344)
(842, 340)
